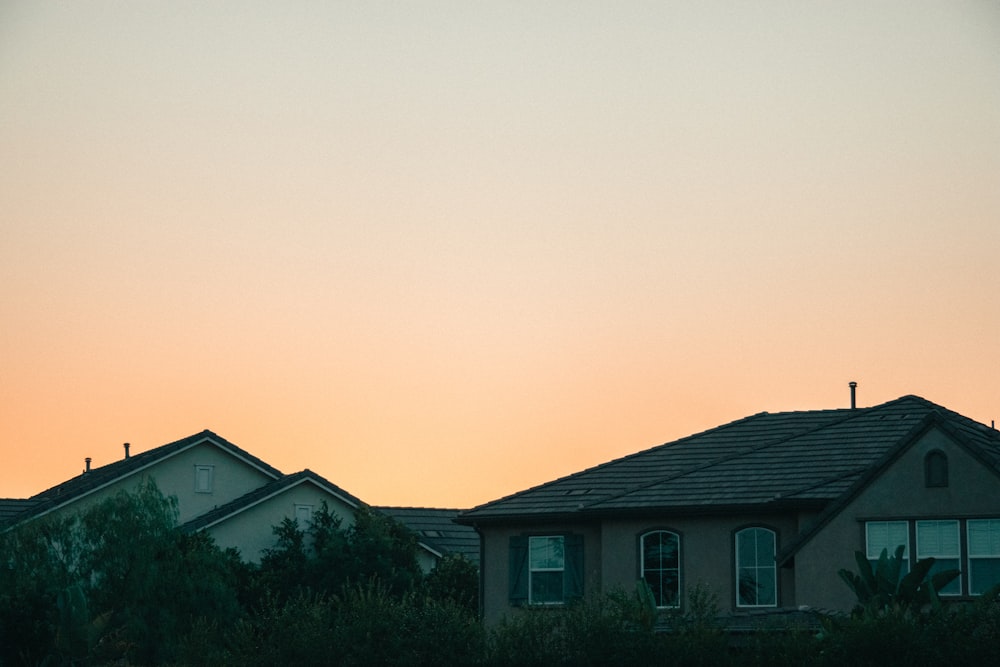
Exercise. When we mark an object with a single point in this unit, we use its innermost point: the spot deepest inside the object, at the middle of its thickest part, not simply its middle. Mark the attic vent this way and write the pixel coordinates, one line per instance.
(432, 533)
(577, 492)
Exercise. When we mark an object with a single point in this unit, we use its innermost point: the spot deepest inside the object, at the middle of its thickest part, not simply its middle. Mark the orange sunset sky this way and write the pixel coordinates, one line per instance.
(439, 252)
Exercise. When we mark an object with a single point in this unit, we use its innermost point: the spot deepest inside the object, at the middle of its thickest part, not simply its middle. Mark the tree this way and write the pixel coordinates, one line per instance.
(455, 579)
(118, 580)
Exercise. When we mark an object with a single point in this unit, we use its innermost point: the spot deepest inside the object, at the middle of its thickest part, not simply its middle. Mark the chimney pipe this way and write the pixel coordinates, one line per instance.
(87, 462)
(126, 449)
(854, 387)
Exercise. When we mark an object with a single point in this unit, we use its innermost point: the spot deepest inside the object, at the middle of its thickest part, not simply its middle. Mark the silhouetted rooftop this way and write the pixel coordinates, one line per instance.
(800, 459)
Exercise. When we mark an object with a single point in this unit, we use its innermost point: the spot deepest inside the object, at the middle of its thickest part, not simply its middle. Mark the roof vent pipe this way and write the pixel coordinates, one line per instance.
(854, 389)
(126, 445)
(87, 462)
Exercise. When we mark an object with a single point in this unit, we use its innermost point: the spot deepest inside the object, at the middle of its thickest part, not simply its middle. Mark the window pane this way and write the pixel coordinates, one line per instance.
(984, 554)
(937, 538)
(546, 587)
(661, 566)
(546, 563)
(766, 588)
(748, 587)
(755, 568)
(887, 535)
(984, 574)
(984, 537)
(663, 586)
(941, 564)
(546, 553)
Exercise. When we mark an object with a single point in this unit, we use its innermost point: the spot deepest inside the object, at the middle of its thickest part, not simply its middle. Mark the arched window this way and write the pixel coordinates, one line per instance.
(756, 575)
(936, 468)
(661, 566)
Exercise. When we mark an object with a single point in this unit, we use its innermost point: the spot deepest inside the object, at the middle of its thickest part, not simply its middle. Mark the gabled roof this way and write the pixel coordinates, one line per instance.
(98, 478)
(436, 528)
(803, 459)
(266, 492)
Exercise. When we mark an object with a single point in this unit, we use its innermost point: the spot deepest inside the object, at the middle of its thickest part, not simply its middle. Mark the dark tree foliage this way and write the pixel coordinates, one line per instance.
(117, 581)
(455, 579)
(324, 557)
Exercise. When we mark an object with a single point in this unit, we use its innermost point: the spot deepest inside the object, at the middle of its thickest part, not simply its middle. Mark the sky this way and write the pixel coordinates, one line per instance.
(441, 252)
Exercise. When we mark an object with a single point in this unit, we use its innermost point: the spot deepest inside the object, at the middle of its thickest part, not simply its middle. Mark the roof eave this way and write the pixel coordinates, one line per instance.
(600, 514)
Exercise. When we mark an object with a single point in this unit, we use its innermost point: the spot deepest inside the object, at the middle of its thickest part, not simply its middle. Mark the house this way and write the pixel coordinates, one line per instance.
(764, 511)
(438, 533)
(220, 488)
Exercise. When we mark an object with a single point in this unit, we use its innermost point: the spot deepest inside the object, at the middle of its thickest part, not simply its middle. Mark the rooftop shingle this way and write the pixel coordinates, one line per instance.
(806, 458)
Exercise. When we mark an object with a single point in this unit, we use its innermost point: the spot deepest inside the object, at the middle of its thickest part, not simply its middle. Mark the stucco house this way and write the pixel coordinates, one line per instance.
(764, 511)
(220, 488)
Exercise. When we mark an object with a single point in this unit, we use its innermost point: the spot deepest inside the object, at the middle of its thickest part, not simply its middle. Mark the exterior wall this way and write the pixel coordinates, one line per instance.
(707, 553)
(175, 476)
(426, 560)
(232, 478)
(900, 493)
(251, 531)
(494, 564)
(611, 556)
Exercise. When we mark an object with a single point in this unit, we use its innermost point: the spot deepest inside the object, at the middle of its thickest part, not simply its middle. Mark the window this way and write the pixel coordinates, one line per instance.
(303, 515)
(756, 576)
(661, 566)
(936, 469)
(888, 535)
(203, 479)
(984, 554)
(546, 564)
(940, 540)
(545, 569)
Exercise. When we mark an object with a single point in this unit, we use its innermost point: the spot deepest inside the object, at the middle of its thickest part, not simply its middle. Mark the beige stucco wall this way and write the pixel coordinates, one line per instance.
(494, 564)
(707, 552)
(175, 476)
(611, 555)
(900, 493)
(251, 531)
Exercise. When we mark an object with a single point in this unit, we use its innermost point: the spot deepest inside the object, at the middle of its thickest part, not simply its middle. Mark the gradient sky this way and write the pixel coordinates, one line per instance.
(439, 252)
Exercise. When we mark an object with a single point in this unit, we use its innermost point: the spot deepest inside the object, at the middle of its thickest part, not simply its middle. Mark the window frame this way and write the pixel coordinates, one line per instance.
(757, 567)
(209, 471)
(890, 548)
(572, 587)
(941, 556)
(969, 557)
(532, 569)
(679, 569)
(936, 469)
(310, 510)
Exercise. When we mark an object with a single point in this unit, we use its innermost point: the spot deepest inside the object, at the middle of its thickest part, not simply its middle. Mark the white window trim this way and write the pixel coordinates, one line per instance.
(642, 563)
(994, 555)
(210, 472)
(532, 569)
(943, 556)
(874, 554)
(773, 567)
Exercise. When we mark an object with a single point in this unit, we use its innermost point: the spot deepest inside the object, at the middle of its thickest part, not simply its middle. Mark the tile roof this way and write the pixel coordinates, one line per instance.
(96, 478)
(12, 507)
(437, 529)
(265, 492)
(802, 459)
